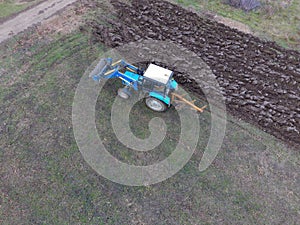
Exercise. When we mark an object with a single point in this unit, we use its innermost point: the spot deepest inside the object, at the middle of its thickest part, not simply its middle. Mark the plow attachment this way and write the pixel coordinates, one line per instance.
(179, 98)
(101, 68)
(107, 69)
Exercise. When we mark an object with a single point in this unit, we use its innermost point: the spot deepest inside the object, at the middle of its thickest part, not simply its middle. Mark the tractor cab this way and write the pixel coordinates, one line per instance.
(158, 74)
(158, 81)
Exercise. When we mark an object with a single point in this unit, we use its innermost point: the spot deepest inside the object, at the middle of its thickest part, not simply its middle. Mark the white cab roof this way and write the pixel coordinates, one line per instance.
(158, 73)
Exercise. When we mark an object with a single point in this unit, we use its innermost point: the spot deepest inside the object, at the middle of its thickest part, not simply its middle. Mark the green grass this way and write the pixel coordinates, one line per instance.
(272, 21)
(45, 180)
(8, 7)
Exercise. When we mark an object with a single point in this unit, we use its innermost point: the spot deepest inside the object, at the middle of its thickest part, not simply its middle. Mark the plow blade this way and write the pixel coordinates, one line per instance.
(179, 98)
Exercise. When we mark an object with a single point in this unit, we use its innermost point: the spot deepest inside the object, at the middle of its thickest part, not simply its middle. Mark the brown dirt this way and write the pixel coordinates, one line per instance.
(260, 79)
(35, 15)
(63, 23)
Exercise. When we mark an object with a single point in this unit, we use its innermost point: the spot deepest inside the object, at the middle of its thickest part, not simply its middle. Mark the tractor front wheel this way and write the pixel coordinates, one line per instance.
(156, 104)
(124, 93)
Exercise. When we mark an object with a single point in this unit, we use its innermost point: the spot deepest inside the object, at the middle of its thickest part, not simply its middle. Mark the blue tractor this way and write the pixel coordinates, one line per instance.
(156, 82)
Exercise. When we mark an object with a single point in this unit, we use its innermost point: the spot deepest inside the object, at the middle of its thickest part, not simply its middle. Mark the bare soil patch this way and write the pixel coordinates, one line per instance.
(63, 23)
(260, 79)
(33, 16)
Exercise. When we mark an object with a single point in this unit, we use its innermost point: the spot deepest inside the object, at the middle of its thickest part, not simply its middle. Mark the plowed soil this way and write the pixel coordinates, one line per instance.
(260, 79)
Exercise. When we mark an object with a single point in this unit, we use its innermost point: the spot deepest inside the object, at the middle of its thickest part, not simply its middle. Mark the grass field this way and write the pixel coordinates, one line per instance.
(45, 180)
(9, 7)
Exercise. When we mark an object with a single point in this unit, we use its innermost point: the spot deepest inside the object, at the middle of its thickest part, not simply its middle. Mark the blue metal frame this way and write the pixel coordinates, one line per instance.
(165, 99)
(131, 78)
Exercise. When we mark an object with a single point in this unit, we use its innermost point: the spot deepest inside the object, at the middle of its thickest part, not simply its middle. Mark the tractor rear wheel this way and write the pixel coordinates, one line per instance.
(124, 93)
(156, 104)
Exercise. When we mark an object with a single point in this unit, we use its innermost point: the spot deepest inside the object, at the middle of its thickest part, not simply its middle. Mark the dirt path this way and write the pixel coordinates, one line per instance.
(30, 17)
